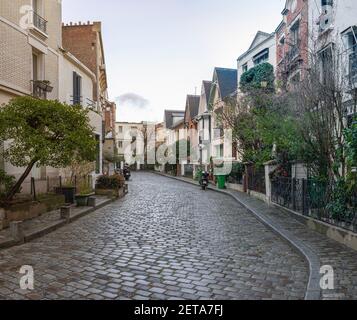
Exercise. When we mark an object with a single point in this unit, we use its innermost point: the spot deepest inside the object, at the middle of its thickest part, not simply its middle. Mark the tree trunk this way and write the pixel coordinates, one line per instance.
(15, 189)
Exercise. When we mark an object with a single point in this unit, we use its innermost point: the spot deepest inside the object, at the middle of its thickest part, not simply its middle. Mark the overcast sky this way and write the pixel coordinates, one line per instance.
(158, 51)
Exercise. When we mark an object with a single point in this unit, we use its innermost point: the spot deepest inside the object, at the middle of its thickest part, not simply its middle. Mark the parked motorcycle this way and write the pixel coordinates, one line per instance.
(127, 173)
(204, 180)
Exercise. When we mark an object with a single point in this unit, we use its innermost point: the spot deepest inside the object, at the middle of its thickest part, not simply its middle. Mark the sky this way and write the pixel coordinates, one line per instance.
(158, 51)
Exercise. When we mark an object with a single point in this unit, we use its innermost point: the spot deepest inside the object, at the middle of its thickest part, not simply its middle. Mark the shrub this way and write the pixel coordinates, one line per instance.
(110, 182)
(6, 183)
(254, 77)
(237, 172)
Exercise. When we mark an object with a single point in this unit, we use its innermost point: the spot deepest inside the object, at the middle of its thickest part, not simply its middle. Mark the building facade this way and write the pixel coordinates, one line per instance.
(262, 50)
(126, 136)
(31, 38)
(224, 89)
(85, 42)
(204, 124)
(333, 30)
(292, 42)
(77, 88)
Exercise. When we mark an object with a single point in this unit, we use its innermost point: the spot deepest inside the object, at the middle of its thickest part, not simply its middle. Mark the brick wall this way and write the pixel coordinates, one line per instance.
(10, 9)
(81, 40)
(301, 12)
(15, 58)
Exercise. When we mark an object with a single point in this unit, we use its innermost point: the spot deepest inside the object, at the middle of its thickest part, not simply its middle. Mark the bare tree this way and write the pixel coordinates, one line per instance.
(319, 101)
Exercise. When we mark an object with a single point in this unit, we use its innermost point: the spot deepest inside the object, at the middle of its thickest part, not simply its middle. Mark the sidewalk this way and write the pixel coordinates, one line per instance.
(316, 248)
(49, 222)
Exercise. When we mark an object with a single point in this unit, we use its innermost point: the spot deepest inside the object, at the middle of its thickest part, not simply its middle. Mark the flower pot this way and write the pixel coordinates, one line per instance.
(82, 200)
(68, 192)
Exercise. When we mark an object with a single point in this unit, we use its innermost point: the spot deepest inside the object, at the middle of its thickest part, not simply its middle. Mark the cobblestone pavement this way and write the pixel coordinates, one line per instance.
(165, 240)
(342, 259)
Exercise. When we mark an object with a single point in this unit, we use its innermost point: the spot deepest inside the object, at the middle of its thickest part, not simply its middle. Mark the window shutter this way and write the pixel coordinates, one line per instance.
(74, 88)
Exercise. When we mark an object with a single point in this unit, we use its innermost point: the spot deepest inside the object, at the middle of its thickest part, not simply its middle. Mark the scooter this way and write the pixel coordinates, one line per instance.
(127, 174)
(204, 180)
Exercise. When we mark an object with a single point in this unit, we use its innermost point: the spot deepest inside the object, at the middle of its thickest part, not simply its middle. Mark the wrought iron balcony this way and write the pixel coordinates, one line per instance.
(76, 100)
(39, 22)
(91, 104)
(294, 52)
(41, 88)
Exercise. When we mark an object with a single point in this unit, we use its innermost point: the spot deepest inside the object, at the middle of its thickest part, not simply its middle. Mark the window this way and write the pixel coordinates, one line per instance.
(261, 57)
(35, 66)
(350, 40)
(294, 34)
(36, 6)
(294, 81)
(77, 88)
(120, 144)
(120, 129)
(245, 67)
(325, 3)
(293, 5)
(326, 64)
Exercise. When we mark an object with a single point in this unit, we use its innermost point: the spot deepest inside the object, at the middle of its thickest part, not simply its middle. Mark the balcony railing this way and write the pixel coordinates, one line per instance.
(41, 88)
(76, 100)
(294, 52)
(91, 104)
(39, 22)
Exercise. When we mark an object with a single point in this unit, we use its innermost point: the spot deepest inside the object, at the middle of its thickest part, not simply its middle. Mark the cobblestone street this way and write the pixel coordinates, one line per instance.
(165, 240)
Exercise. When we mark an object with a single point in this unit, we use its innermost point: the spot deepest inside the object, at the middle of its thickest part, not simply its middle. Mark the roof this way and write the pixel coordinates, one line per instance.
(258, 36)
(227, 80)
(170, 114)
(177, 124)
(259, 39)
(207, 85)
(192, 106)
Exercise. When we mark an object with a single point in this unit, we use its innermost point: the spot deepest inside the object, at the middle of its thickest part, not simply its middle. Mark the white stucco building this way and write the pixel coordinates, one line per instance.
(262, 49)
(333, 29)
(76, 87)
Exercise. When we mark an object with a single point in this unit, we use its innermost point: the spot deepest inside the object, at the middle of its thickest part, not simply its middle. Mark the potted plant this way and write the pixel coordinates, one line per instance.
(82, 197)
(69, 192)
(85, 191)
(44, 85)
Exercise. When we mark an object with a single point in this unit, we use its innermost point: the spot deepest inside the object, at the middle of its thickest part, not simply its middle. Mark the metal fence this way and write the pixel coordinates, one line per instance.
(256, 179)
(312, 198)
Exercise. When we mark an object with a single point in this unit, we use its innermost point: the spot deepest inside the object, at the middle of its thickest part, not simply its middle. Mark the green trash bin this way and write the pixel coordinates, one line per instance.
(221, 182)
(199, 175)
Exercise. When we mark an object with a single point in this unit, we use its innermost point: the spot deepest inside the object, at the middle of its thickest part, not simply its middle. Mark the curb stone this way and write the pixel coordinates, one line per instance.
(313, 291)
(40, 232)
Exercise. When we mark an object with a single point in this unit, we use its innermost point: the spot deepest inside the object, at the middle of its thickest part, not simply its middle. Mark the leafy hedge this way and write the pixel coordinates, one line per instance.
(110, 182)
(254, 77)
(6, 183)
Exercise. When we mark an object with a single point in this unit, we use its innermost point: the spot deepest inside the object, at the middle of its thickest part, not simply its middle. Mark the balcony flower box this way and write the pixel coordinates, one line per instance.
(43, 85)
